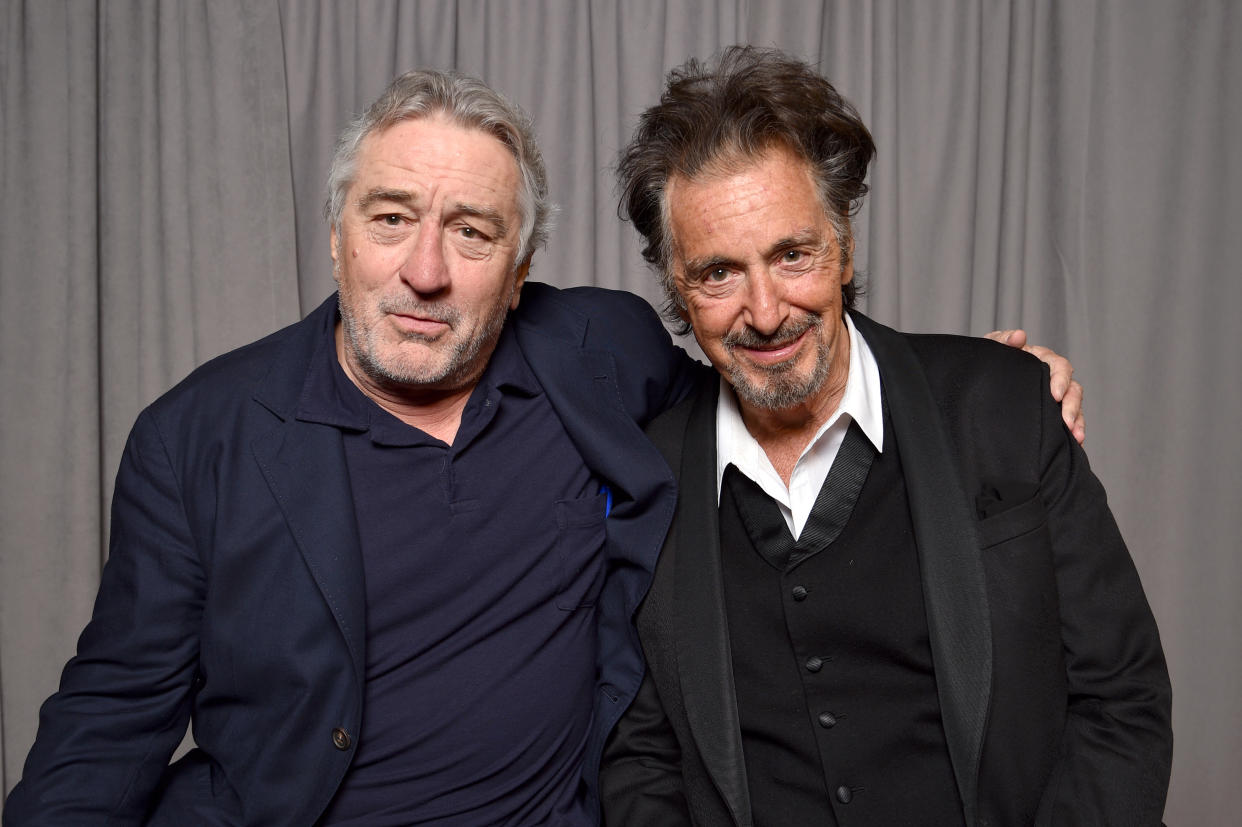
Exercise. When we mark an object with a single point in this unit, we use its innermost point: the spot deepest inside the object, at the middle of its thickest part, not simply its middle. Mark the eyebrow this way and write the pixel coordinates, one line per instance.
(375, 196)
(697, 266)
(803, 238)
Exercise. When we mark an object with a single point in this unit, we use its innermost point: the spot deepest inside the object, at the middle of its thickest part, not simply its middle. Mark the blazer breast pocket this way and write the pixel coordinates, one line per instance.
(1017, 558)
(580, 548)
(1012, 522)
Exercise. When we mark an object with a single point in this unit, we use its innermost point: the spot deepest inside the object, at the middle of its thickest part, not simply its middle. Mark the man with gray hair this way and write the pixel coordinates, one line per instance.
(892, 592)
(385, 560)
(366, 556)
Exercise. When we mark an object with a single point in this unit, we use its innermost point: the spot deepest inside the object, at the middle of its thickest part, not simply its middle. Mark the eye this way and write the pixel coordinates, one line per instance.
(474, 235)
(716, 274)
(391, 220)
(792, 256)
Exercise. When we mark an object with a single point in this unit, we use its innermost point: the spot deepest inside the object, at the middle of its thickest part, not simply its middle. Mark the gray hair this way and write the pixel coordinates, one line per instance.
(730, 110)
(469, 103)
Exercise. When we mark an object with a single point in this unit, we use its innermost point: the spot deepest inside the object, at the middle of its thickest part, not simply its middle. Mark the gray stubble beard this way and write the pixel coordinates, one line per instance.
(363, 344)
(782, 389)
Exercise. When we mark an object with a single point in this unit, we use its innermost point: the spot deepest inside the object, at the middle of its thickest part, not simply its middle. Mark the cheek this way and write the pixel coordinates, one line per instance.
(369, 270)
(821, 296)
(714, 319)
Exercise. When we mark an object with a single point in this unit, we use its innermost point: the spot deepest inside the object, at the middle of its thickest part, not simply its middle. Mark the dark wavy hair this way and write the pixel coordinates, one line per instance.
(736, 106)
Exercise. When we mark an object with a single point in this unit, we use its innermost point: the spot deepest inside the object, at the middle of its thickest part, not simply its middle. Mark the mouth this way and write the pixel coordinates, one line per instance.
(772, 353)
(416, 325)
(774, 350)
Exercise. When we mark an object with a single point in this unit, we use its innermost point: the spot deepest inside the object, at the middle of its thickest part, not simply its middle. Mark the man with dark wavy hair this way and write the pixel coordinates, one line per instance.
(892, 592)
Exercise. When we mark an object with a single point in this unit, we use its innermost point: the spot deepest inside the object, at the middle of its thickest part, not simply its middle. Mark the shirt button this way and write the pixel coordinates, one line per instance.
(844, 795)
(827, 720)
(799, 593)
(340, 739)
(814, 664)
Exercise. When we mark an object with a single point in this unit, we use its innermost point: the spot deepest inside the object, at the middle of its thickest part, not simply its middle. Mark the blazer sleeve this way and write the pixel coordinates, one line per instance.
(106, 736)
(653, 373)
(640, 775)
(1116, 749)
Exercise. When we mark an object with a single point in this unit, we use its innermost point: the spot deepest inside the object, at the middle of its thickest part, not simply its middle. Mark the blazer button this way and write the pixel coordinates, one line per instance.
(341, 739)
(827, 720)
(799, 593)
(814, 664)
(844, 795)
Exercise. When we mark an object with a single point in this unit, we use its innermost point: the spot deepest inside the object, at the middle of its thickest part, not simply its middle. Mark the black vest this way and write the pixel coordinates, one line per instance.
(835, 688)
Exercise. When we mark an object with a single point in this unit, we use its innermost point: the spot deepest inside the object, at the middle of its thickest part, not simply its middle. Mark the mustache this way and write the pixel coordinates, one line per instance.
(407, 306)
(789, 330)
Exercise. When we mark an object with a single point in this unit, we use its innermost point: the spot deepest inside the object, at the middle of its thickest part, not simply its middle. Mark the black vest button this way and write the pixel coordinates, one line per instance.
(799, 592)
(814, 664)
(844, 795)
(827, 720)
(340, 739)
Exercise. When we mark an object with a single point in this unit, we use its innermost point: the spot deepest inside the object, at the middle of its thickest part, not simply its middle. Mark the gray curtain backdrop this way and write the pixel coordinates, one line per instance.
(1068, 165)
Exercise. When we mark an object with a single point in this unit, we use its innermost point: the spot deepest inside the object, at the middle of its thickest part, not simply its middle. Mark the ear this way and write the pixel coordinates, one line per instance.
(334, 242)
(847, 271)
(519, 279)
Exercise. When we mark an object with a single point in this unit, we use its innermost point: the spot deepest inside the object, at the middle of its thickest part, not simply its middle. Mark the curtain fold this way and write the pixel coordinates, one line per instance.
(1066, 165)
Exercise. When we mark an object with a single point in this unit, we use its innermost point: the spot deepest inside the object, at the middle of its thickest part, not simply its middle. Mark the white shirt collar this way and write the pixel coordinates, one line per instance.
(861, 403)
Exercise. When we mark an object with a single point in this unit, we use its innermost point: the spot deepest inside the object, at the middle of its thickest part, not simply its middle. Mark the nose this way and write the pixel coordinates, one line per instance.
(426, 270)
(766, 308)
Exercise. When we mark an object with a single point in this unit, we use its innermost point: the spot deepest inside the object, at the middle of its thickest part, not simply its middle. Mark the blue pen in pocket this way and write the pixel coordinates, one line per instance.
(607, 492)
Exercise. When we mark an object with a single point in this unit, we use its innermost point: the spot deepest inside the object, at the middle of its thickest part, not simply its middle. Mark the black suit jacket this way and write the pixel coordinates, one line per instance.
(1052, 684)
(233, 594)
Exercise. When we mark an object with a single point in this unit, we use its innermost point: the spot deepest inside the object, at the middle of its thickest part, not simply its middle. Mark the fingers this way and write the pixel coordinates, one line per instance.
(1014, 337)
(1059, 367)
(1072, 412)
(1062, 385)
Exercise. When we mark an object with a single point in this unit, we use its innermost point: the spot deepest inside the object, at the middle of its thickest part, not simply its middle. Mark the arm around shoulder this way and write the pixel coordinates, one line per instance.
(654, 373)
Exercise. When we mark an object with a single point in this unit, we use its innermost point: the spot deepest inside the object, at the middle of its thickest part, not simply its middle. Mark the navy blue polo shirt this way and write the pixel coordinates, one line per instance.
(482, 561)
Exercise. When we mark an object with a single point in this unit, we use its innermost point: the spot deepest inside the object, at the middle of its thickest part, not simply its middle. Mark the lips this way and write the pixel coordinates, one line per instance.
(774, 348)
(419, 320)
(774, 352)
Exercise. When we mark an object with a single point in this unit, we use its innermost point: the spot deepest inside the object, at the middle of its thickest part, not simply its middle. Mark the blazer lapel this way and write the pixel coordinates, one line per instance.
(704, 659)
(304, 466)
(954, 588)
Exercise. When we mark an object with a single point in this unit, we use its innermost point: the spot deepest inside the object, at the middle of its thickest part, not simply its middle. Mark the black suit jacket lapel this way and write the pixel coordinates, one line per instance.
(704, 660)
(954, 588)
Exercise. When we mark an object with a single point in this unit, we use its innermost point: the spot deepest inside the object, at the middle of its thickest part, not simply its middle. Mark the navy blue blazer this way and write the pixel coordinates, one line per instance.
(233, 594)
